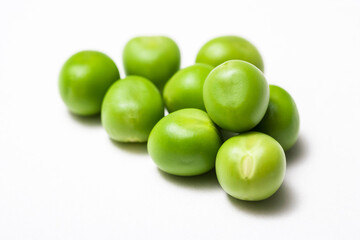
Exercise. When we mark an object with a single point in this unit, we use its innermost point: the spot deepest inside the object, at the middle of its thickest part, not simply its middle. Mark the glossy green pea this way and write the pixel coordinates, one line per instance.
(184, 143)
(185, 88)
(156, 58)
(236, 95)
(251, 166)
(222, 49)
(131, 108)
(84, 79)
(281, 120)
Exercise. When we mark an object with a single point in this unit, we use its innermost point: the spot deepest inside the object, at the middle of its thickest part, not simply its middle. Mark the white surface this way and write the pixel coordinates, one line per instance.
(62, 178)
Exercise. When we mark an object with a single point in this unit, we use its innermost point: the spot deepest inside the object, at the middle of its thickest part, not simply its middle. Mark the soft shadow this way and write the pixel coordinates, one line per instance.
(205, 181)
(298, 152)
(137, 148)
(281, 202)
(227, 134)
(90, 121)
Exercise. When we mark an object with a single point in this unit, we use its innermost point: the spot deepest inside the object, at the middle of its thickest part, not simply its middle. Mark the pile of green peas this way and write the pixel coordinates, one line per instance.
(224, 90)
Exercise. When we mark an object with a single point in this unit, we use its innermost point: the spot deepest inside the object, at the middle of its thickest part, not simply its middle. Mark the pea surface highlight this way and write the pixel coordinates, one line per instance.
(84, 79)
(251, 166)
(236, 95)
(222, 49)
(131, 108)
(185, 88)
(184, 143)
(281, 120)
(156, 58)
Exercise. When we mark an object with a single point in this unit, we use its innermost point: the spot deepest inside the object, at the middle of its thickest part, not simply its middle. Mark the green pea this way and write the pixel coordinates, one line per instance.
(131, 108)
(184, 143)
(185, 88)
(222, 49)
(281, 120)
(84, 79)
(156, 58)
(251, 166)
(236, 95)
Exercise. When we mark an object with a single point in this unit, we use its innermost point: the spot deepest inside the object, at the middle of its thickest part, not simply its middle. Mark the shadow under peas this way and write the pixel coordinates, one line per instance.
(205, 181)
(298, 152)
(282, 201)
(137, 148)
(227, 134)
(90, 121)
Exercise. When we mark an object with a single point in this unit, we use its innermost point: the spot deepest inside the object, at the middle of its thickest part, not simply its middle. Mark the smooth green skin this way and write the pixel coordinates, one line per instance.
(184, 143)
(251, 166)
(131, 108)
(281, 120)
(236, 95)
(156, 58)
(185, 88)
(84, 79)
(222, 49)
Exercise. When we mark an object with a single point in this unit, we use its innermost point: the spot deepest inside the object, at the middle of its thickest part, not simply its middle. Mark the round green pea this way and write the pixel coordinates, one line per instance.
(222, 49)
(236, 95)
(185, 88)
(84, 79)
(251, 166)
(131, 108)
(281, 120)
(156, 58)
(184, 143)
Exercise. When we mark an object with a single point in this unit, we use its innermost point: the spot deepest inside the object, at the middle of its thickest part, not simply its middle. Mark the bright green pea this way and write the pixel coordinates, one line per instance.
(131, 108)
(185, 88)
(236, 95)
(84, 79)
(156, 58)
(251, 166)
(222, 49)
(184, 143)
(281, 120)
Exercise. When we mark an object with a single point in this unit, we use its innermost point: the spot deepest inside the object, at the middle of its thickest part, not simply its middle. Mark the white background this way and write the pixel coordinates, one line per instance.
(62, 178)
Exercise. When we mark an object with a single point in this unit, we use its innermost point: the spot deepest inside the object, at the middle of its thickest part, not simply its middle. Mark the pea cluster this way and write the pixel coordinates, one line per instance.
(225, 90)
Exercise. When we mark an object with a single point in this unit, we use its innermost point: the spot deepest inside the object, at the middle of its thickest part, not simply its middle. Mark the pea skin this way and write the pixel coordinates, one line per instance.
(156, 58)
(281, 120)
(184, 143)
(251, 166)
(185, 88)
(225, 48)
(236, 95)
(131, 108)
(84, 79)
